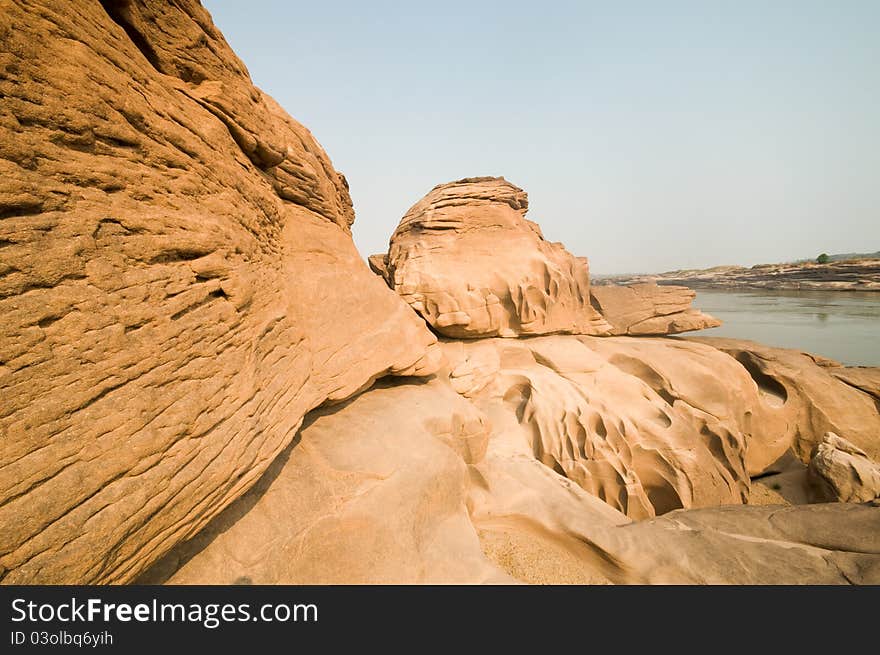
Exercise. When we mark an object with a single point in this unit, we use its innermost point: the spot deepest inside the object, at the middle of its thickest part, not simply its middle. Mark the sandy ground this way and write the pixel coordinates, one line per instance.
(538, 559)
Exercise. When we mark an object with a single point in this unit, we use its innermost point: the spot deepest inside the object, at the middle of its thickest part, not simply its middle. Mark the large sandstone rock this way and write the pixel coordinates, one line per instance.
(178, 285)
(541, 528)
(813, 395)
(373, 492)
(378, 265)
(466, 259)
(380, 490)
(647, 425)
(642, 309)
(843, 472)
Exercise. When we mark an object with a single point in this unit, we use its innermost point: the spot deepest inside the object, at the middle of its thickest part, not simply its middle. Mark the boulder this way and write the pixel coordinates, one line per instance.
(647, 425)
(643, 309)
(842, 472)
(466, 259)
(178, 286)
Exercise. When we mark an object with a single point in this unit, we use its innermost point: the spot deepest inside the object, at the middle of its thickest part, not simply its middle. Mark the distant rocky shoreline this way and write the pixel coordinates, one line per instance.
(850, 275)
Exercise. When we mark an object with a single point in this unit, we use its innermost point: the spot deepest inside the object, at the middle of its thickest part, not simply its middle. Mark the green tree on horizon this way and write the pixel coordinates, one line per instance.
(823, 258)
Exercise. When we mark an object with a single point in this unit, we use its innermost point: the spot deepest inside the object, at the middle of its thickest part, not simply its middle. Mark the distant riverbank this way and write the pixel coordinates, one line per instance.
(841, 325)
(851, 275)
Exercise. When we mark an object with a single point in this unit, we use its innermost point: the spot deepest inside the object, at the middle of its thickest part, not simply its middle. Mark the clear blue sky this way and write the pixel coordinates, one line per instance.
(649, 135)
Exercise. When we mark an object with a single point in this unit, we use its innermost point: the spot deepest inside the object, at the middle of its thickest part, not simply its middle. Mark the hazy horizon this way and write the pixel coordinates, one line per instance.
(649, 137)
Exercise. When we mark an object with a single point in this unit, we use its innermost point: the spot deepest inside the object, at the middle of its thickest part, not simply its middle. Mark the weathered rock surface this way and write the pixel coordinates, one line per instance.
(647, 425)
(374, 493)
(643, 309)
(811, 394)
(785, 482)
(378, 265)
(465, 258)
(178, 285)
(541, 528)
(178, 288)
(469, 262)
(863, 378)
(842, 472)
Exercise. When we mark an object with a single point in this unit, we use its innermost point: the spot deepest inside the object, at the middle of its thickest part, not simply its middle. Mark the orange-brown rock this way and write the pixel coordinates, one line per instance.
(643, 309)
(467, 260)
(541, 528)
(813, 395)
(178, 285)
(863, 378)
(378, 265)
(647, 425)
(373, 492)
(178, 288)
(380, 490)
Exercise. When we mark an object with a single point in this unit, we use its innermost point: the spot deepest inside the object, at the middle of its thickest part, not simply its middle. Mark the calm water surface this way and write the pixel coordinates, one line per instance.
(842, 325)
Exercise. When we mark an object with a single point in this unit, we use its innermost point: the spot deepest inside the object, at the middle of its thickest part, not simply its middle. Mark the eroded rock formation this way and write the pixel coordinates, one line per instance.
(178, 288)
(374, 492)
(647, 425)
(378, 490)
(642, 309)
(842, 472)
(816, 395)
(178, 285)
(466, 259)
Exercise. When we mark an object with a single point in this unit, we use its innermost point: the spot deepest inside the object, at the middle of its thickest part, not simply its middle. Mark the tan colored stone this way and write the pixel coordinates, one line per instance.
(842, 472)
(373, 492)
(811, 394)
(785, 482)
(178, 288)
(465, 258)
(552, 520)
(644, 309)
(379, 265)
(178, 285)
(863, 378)
(648, 425)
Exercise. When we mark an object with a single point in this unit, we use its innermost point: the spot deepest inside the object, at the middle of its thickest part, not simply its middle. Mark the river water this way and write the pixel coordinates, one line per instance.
(842, 325)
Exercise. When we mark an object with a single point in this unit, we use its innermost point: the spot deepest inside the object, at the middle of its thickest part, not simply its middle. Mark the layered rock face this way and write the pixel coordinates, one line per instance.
(642, 309)
(466, 259)
(815, 395)
(182, 312)
(861, 274)
(178, 285)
